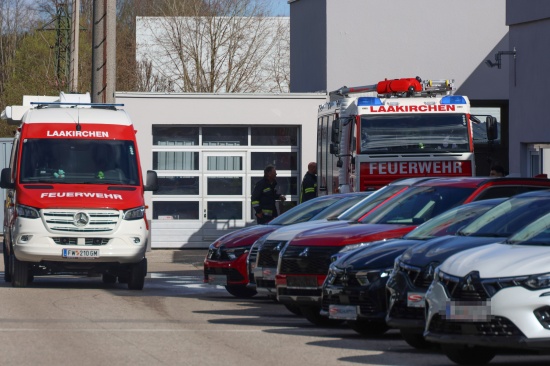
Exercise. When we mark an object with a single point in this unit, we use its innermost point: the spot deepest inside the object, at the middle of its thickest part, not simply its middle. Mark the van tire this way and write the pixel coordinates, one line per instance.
(138, 271)
(7, 270)
(20, 273)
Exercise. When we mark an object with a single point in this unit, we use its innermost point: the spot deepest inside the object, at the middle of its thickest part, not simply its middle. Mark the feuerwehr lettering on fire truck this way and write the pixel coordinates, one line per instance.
(77, 133)
(97, 195)
(415, 167)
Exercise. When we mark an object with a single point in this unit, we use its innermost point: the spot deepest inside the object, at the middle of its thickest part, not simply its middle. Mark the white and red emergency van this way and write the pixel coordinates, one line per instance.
(368, 136)
(75, 193)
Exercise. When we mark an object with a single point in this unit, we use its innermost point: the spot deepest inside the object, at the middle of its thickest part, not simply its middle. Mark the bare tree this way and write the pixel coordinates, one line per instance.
(217, 46)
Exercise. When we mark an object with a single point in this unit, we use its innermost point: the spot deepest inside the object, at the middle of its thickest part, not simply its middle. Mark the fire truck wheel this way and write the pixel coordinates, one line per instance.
(240, 291)
(136, 280)
(20, 273)
(416, 339)
(464, 355)
(108, 278)
(7, 270)
(313, 315)
(368, 328)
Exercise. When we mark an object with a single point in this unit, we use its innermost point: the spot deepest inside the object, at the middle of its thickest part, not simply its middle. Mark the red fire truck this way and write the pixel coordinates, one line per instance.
(368, 136)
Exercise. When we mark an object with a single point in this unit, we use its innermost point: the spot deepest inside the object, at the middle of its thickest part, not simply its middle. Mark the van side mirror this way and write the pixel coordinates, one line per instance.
(334, 149)
(5, 179)
(151, 182)
(492, 128)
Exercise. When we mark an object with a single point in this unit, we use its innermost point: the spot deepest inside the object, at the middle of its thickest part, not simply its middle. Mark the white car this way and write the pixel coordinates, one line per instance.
(493, 297)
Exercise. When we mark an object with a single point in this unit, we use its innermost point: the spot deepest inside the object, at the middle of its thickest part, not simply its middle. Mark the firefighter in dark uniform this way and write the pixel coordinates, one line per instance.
(309, 183)
(264, 196)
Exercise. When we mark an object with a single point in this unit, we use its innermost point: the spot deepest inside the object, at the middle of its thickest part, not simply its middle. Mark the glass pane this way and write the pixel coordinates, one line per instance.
(175, 210)
(225, 210)
(175, 160)
(175, 135)
(178, 185)
(225, 186)
(274, 136)
(224, 163)
(281, 160)
(225, 136)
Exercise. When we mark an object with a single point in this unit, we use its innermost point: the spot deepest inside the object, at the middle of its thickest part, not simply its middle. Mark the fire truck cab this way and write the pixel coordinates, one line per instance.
(371, 135)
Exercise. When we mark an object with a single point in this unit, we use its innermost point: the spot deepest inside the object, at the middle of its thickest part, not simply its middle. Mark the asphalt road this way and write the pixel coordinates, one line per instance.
(178, 320)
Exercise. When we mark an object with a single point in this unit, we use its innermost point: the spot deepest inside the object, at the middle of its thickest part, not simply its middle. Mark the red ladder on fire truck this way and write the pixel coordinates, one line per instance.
(401, 87)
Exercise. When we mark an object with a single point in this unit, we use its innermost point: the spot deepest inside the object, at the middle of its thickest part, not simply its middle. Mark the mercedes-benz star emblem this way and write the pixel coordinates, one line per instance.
(81, 219)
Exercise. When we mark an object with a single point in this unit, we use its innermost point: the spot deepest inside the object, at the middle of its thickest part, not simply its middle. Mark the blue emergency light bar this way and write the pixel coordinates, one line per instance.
(368, 101)
(453, 99)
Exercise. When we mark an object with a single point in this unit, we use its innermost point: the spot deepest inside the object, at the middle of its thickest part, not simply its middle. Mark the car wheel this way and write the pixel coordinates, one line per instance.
(138, 271)
(20, 276)
(7, 270)
(415, 339)
(468, 355)
(294, 309)
(313, 315)
(108, 278)
(240, 291)
(369, 328)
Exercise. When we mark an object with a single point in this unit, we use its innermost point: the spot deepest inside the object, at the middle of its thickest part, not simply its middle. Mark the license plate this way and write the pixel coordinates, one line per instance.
(416, 300)
(468, 311)
(80, 253)
(301, 281)
(217, 280)
(345, 312)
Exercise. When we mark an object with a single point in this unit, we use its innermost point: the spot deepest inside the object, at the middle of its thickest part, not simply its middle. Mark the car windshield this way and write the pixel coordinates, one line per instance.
(508, 217)
(417, 205)
(79, 161)
(360, 209)
(305, 211)
(536, 233)
(339, 206)
(450, 221)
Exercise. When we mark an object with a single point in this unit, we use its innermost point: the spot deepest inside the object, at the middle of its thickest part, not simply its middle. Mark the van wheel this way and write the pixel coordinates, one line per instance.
(7, 270)
(240, 291)
(468, 355)
(415, 339)
(138, 271)
(313, 315)
(20, 273)
(369, 328)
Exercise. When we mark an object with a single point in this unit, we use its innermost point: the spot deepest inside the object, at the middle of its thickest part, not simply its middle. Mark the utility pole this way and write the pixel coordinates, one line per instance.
(75, 34)
(104, 52)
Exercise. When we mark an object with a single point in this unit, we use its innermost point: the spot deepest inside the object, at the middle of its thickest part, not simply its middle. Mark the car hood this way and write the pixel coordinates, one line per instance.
(245, 236)
(376, 255)
(439, 249)
(500, 260)
(350, 234)
(288, 232)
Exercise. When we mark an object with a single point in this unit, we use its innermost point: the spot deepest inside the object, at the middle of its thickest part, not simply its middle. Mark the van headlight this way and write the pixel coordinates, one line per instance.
(134, 213)
(27, 212)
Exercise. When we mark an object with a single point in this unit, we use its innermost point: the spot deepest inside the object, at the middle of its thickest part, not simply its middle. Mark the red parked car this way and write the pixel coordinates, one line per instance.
(304, 263)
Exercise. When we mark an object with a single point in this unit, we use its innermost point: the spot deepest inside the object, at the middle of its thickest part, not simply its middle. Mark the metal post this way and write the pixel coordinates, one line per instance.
(75, 33)
(104, 52)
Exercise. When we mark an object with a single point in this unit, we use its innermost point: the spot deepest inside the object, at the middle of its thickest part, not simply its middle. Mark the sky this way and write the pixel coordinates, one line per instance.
(281, 7)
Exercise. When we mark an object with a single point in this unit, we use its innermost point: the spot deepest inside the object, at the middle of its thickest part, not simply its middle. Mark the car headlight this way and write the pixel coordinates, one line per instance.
(234, 253)
(27, 212)
(134, 213)
(348, 248)
(370, 276)
(537, 282)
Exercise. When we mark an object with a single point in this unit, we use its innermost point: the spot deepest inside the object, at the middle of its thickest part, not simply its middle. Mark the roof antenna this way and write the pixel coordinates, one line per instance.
(78, 127)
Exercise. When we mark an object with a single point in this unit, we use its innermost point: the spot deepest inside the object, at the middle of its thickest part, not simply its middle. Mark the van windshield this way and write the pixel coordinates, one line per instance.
(79, 162)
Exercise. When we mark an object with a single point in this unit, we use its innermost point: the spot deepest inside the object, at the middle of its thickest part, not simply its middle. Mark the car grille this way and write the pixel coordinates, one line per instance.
(496, 327)
(85, 241)
(268, 255)
(419, 277)
(468, 288)
(63, 220)
(307, 260)
(400, 310)
(366, 304)
(231, 273)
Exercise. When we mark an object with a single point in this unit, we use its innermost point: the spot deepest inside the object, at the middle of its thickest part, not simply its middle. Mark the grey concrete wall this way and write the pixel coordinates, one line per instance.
(369, 40)
(529, 116)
